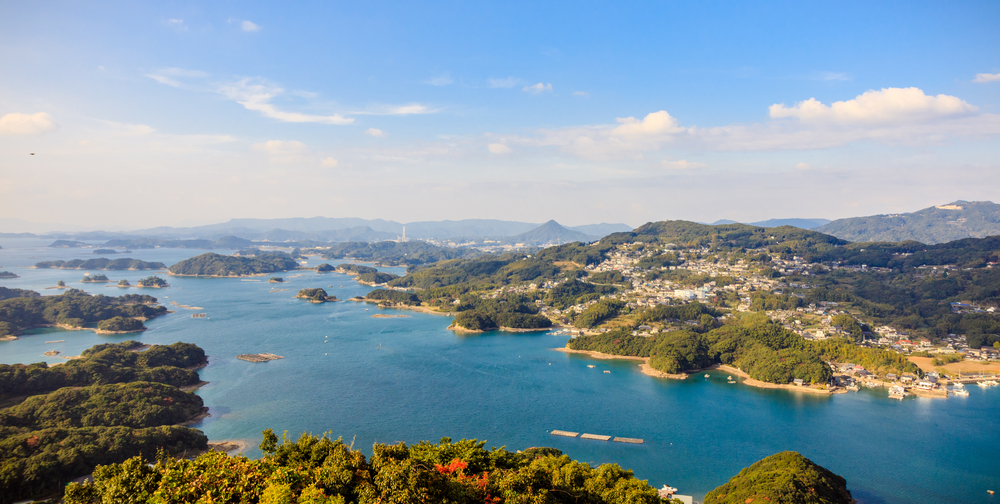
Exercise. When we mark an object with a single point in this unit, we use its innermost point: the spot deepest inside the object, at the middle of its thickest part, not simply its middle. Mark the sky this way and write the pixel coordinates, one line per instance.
(125, 115)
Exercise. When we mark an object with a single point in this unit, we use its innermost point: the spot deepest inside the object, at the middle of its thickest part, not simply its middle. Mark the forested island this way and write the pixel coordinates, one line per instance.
(111, 404)
(7, 274)
(316, 469)
(316, 295)
(102, 264)
(120, 325)
(72, 309)
(154, 282)
(99, 278)
(212, 264)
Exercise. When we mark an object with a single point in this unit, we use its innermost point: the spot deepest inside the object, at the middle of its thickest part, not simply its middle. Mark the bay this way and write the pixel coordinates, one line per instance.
(409, 379)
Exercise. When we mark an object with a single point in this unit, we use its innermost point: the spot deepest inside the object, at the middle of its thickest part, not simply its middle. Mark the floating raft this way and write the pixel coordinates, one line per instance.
(259, 357)
(199, 315)
(596, 437)
(628, 440)
(56, 341)
(564, 433)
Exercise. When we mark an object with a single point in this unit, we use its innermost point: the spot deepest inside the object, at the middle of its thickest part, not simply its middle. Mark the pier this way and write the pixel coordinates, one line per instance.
(596, 437)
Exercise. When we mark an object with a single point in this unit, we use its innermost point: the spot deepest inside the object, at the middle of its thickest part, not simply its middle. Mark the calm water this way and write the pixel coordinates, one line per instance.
(409, 379)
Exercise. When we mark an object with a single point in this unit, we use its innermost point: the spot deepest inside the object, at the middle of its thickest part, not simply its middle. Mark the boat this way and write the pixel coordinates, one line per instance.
(960, 392)
(897, 392)
(983, 384)
(591, 365)
(855, 388)
(706, 376)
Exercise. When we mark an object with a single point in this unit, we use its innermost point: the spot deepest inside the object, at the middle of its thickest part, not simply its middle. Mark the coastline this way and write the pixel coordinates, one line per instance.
(648, 370)
(98, 331)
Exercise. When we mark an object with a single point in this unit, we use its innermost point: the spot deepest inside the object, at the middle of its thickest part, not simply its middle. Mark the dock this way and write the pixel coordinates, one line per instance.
(564, 433)
(597, 437)
(260, 357)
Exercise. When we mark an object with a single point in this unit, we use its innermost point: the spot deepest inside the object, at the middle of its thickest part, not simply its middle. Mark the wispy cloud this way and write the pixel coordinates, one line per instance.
(582, 94)
(508, 82)
(257, 96)
(985, 77)
(408, 109)
(283, 151)
(168, 76)
(682, 164)
(537, 88)
(375, 132)
(832, 76)
(176, 23)
(27, 124)
(249, 26)
(441, 80)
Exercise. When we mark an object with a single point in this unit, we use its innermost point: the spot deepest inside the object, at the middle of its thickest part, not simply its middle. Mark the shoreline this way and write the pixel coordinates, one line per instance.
(648, 370)
(98, 331)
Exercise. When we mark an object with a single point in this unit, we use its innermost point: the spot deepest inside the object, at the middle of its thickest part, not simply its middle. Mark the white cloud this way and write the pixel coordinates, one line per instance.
(441, 80)
(162, 79)
(375, 132)
(893, 117)
(498, 148)
(890, 105)
(26, 124)
(985, 77)
(582, 94)
(509, 82)
(683, 164)
(283, 151)
(257, 96)
(249, 26)
(537, 88)
(176, 23)
(329, 162)
(803, 166)
(653, 124)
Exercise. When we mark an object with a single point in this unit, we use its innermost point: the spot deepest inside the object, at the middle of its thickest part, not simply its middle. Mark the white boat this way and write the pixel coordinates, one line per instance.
(960, 392)
(983, 384)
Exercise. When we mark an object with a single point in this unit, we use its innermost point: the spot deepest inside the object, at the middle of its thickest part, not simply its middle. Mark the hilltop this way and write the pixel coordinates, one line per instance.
(937, 224)
(551, 233)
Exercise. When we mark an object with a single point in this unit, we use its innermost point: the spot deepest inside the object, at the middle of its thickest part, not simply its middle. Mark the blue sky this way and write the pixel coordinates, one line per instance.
(581, 112)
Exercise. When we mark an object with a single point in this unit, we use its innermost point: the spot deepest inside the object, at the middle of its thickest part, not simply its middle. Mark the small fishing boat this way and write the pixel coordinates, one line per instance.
(706, 376)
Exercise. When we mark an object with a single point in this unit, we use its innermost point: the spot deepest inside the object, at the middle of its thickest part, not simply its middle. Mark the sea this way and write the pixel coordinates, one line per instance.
(406, 379)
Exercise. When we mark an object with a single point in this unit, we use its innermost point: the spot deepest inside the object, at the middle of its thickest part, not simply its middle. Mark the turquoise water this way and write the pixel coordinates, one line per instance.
(409, 379)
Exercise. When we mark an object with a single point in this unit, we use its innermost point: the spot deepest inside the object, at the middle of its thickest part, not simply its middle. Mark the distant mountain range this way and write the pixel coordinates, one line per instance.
(937, 224)
(324, 229)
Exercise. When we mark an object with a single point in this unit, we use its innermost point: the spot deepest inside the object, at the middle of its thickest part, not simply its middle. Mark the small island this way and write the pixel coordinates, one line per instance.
(316, 295)
(276, 280)
(102, 263)
(153, 282)
(120, 325)
(7, 274)
(259, 357)
(324, 268)
(95, 279)
(124, 283)
(105, 251)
